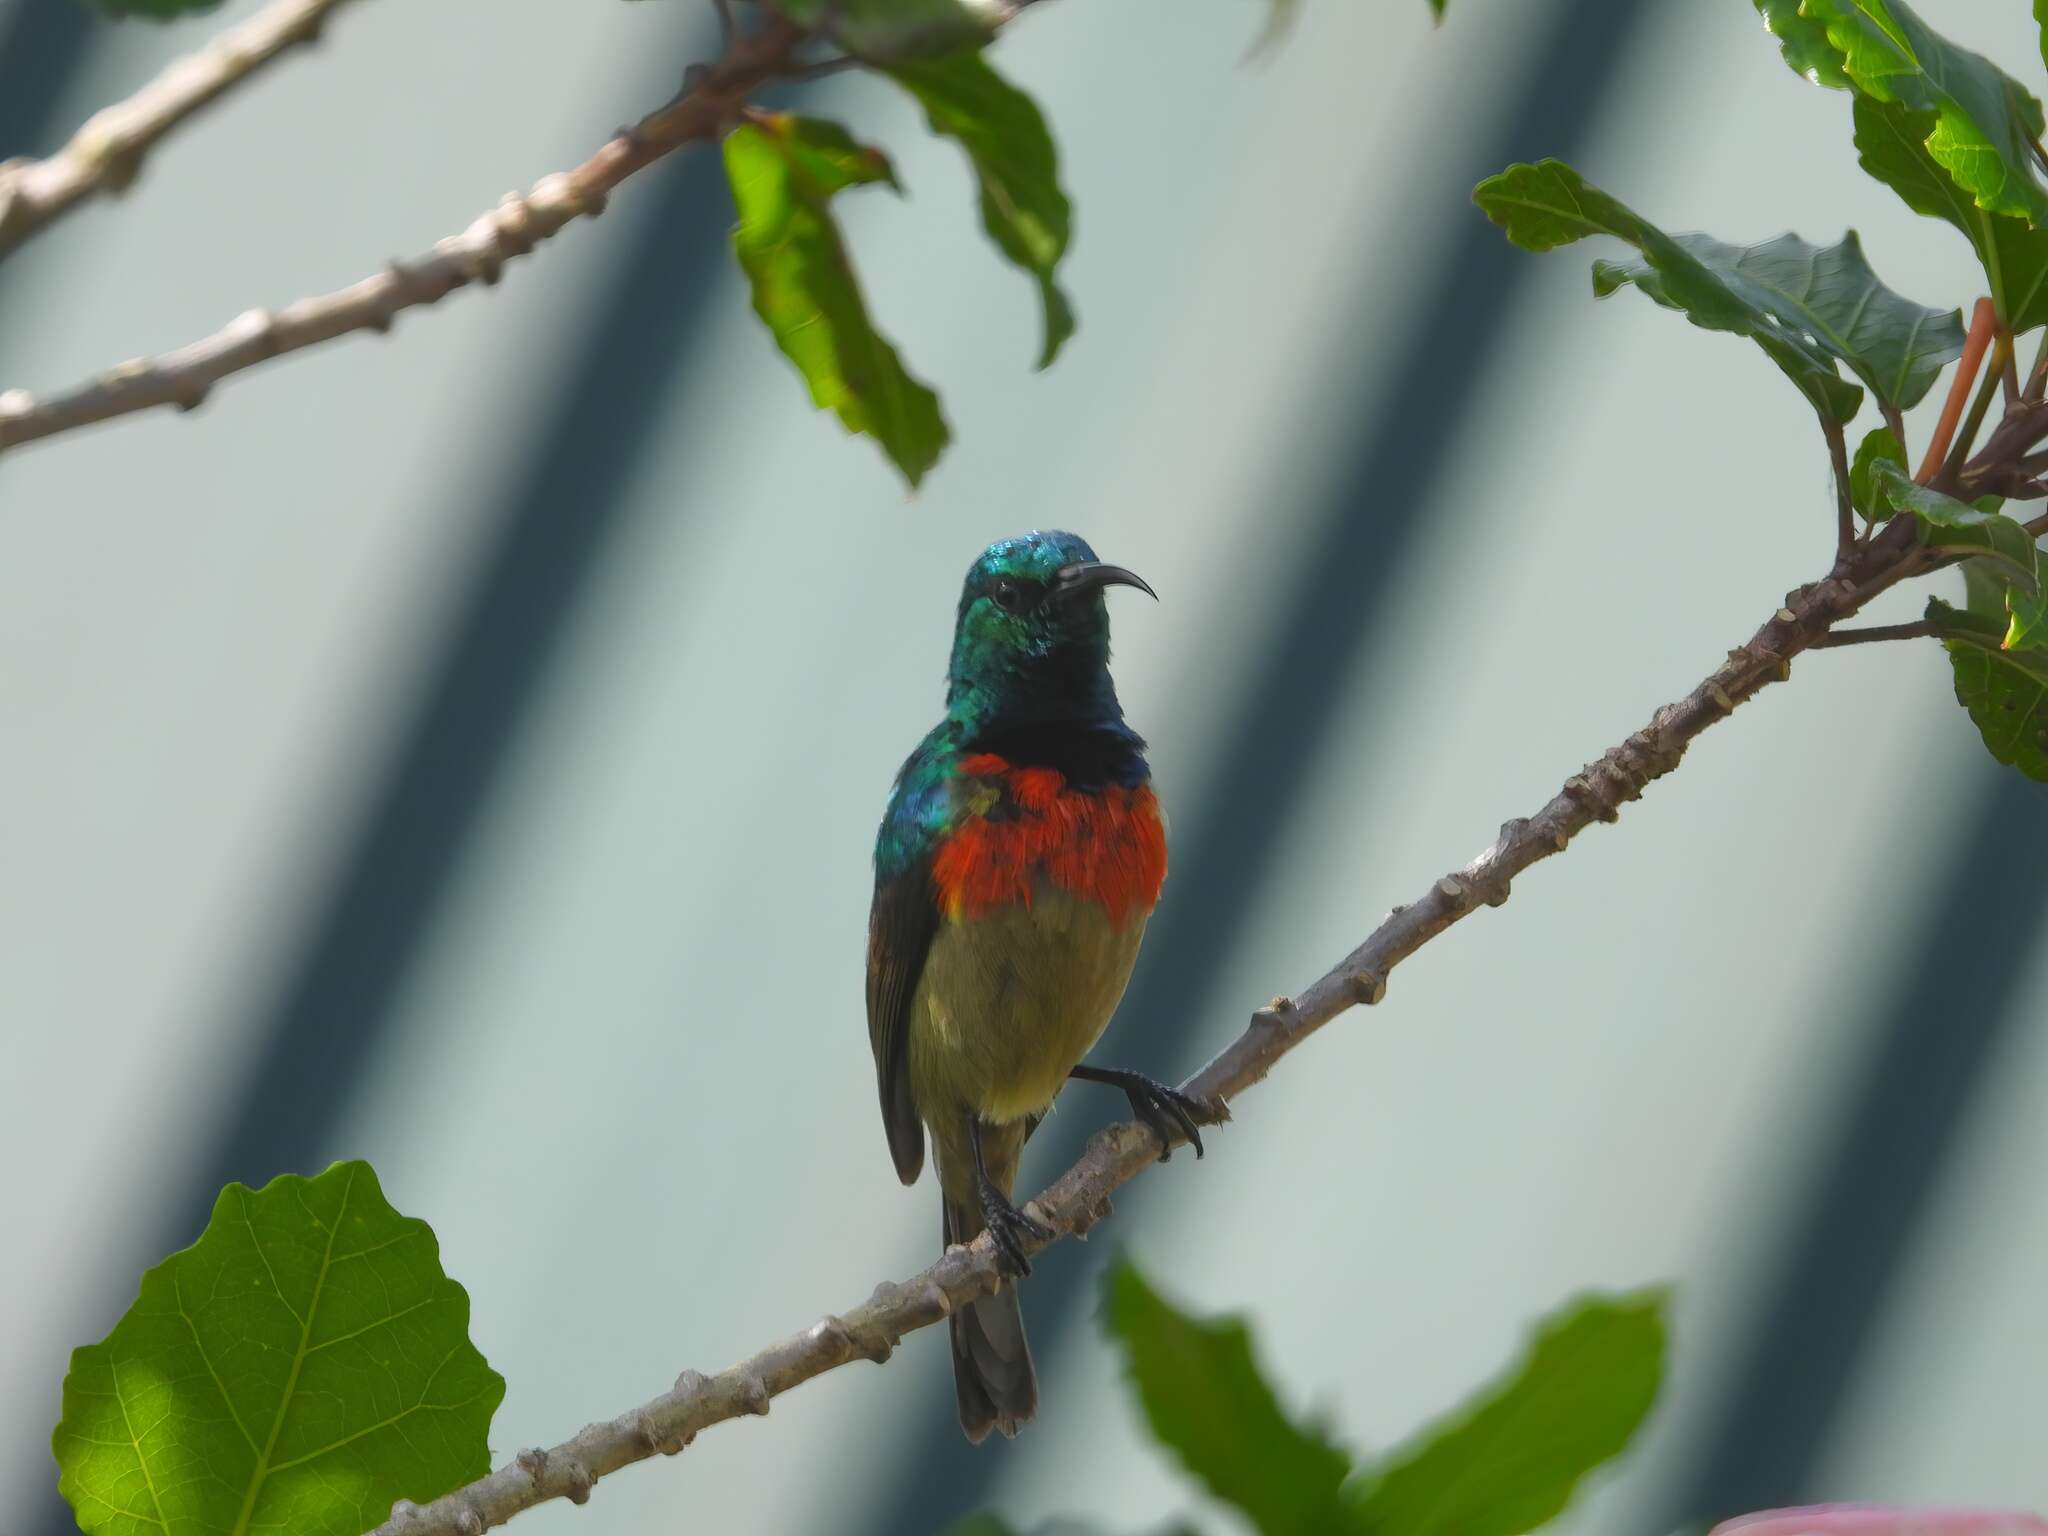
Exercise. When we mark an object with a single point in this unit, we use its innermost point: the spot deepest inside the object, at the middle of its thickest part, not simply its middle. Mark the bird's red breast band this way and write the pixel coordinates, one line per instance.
(1107, 845)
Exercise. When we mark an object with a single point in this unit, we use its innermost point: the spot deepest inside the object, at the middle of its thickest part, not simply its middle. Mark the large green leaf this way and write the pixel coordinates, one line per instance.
(1829, 295)
(1007, 142)
(882, 30)
(1206, 1401)
(1891, 146)
(1986, 123)
(1510, 1458)
(784, 172)
(301, 1366)
(1804, 42)
(1549, 204)
(2006, 692)
(1945, 523)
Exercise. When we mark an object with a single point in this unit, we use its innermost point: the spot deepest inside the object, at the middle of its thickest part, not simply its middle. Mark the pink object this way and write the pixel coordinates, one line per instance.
(1879, 1520)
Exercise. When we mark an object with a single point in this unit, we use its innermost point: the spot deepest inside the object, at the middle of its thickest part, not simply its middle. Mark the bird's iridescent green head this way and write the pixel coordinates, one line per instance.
(1032, 639)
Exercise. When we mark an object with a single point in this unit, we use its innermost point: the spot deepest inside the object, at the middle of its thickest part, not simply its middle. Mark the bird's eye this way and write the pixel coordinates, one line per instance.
(1010, 595)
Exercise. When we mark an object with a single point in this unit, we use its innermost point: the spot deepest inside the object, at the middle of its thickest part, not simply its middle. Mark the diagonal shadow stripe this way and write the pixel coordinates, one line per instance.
(43, 49)
(1831, 1280)
(562, 501)
(1352, 557)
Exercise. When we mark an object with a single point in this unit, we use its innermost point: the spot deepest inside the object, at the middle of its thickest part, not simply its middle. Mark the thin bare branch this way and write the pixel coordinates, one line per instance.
(518, 224)
(1080, 1197)
(1920, 629)
(106, 154)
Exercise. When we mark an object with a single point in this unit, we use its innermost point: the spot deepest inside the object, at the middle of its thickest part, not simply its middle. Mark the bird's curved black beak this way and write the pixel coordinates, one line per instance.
(1093, 575)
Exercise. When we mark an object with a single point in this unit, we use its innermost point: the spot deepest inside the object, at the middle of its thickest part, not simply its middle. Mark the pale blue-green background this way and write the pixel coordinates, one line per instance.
(626, 1077)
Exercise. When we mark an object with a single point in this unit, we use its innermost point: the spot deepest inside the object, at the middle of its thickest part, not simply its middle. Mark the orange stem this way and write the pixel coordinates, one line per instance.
(1982, 319)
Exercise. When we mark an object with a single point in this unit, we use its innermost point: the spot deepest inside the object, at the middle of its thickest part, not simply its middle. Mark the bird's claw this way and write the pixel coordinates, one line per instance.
(1166, 1109)
(1010, 1228)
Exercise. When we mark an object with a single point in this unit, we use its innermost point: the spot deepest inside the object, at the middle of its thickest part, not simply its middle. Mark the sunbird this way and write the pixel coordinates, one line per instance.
(1018, 861)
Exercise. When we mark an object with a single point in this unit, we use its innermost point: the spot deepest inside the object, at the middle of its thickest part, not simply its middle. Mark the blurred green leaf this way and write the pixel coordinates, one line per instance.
(2005, 692)
(1945, 523)
(1877, 446)
(1993, 594)
(2041, 21)
(301, 1366)
(1012, 152)
(1547, 205)
(784, 172)
(2026, 626)
(1509, 1459)
(1206, 1401)
(1804, 42)
(1986, 123)
(884, 30)
(1891, 146)
(1829, 295)
(1984, 588)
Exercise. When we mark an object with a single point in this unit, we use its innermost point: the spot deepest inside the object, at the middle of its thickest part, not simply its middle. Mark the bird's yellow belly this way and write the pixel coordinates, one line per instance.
(1008, 1002)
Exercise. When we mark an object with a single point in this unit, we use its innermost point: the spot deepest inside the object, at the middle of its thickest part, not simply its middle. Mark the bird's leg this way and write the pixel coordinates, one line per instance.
(1164, 1109)
(1006, 1224)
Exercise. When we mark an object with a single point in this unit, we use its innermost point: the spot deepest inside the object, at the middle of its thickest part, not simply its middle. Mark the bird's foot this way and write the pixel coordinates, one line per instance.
(1163, 1108)
(1010, 1228)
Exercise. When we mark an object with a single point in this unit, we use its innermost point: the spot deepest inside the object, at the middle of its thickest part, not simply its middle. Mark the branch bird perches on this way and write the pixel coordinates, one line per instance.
(1080, 1197)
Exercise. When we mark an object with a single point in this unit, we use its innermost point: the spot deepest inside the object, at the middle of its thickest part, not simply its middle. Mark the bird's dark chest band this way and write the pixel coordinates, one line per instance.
(1087, 758)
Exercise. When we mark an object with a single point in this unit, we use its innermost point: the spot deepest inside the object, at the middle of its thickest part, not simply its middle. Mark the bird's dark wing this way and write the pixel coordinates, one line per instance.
(900, 928)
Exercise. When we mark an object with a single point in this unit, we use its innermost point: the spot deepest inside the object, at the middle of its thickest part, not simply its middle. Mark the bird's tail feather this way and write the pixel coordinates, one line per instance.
(992, 1373)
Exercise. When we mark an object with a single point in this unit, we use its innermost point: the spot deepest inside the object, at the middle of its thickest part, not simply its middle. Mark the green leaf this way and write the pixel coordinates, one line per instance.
(1510, 1458)
(2041, 21)
(1829, 295)
(2026, 618)
(1804, 42)
(784, 172)
(884, 30)
(301, 1366)
(1891, 146)
(1878, 446)
(2005, 692)
(1986, 123)
(1994, 595)
(1547, 205)
(1945, 523)
(1206, 1401)
(1007, 142)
